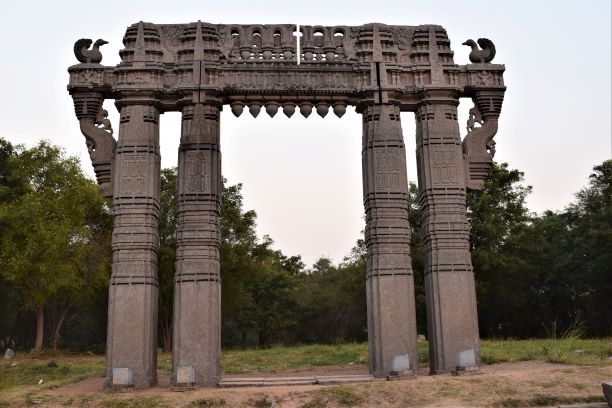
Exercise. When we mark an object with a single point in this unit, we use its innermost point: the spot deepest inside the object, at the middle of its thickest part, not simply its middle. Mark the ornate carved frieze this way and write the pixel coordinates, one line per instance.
(174, 60)
(259, 66)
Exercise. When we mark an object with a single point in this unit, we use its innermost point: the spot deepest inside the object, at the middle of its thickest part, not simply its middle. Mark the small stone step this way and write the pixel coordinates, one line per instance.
(242, 382)
(289, 381)
(276, 381)
(340, 379)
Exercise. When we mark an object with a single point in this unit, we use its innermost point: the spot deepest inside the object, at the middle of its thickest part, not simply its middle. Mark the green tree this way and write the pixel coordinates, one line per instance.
(590, 222)
(331, 299)
(417, 253)
(497, 214)
(167, 253)
(45, 233)
(11, 186)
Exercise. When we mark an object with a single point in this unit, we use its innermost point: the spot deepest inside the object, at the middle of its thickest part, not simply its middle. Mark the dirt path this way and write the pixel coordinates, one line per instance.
(521, 384)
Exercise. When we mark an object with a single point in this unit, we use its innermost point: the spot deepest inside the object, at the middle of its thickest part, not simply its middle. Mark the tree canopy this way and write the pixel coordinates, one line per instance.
(49, 230)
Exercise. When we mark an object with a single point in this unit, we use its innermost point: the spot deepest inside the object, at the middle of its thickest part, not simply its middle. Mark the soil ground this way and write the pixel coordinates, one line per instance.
(518, 384)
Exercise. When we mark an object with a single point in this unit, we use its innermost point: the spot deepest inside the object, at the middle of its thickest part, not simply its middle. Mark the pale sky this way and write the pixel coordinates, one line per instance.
(303, 176)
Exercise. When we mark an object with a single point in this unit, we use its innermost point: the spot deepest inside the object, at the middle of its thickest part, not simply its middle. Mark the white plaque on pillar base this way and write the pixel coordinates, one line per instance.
(465, 362)
(400, 367)
(122, 379)
(185, 379)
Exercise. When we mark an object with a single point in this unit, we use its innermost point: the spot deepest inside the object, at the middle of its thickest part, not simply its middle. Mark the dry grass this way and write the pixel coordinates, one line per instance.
(580, 367)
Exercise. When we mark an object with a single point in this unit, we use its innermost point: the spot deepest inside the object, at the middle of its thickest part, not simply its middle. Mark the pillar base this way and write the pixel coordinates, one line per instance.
(197, 335)
(132, 339)
(392, 338)
(453, 328)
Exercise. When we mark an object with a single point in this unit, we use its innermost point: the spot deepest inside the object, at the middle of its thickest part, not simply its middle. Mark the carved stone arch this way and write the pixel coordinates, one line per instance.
(338, 30)
(257, 30)
(318, 40)
(235, 32)
(277, 36)
(384, 70)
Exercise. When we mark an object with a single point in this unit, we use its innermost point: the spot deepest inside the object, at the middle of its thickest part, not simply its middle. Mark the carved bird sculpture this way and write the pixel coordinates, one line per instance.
(481, 56)
(84, 54)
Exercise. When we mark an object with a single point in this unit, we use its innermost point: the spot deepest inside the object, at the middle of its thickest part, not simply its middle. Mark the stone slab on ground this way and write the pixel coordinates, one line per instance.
(285, 381)
(242, 382)
(341, 379)
(289, 381)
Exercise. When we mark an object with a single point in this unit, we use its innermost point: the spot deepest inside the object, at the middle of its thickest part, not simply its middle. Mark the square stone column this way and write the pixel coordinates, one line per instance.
(392, 336)
(449, 278)
(132, 310)
(197, 290)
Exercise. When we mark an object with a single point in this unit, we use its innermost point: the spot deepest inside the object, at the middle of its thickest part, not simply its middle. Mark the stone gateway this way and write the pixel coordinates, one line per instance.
(198, 68)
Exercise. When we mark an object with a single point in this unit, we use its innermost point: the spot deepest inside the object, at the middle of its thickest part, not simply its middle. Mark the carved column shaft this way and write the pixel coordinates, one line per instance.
(449, 278)
(197, 302)
(392, 336)
(132, 310)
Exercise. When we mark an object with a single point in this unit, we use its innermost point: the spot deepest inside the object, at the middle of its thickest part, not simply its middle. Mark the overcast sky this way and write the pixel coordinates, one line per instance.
(303, 176)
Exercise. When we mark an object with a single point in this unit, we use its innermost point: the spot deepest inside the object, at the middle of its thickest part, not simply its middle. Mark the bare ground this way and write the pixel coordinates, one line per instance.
(522, 384)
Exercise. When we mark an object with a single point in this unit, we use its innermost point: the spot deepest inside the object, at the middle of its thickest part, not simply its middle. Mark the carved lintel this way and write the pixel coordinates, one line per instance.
(98, 133)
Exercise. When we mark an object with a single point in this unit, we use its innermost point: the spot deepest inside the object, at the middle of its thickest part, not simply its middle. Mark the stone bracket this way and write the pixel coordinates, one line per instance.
(98, 133)
(478, 145)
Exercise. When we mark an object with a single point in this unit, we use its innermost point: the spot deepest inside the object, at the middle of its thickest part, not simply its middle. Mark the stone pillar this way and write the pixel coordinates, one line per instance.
(392, 337)
(132, 308)
(197, 293)
(449, 278)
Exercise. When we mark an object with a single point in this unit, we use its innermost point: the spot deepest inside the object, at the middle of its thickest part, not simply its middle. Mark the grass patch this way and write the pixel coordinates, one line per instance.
(267, 402)
(281, 357)
(543, 400)
(564, 351)
(510, 403)
(23, 373)
(423, 350)
(315, 403)
(345, 396)
(54, 371)
(135, 402)
(208, 403)
(164, 363)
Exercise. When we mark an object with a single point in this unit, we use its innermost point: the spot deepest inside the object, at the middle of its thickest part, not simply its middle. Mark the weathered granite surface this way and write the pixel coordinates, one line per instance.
(382, 70)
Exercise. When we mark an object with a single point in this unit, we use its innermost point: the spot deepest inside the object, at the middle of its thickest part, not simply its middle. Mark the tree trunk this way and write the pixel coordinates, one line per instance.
(40, 327)
(166, 334)
(243, 339)
(58, 328)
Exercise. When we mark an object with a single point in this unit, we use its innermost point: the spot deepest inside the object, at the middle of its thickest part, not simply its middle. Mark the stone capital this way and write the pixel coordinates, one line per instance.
(136, 99)
(439, 96)
(489, 102)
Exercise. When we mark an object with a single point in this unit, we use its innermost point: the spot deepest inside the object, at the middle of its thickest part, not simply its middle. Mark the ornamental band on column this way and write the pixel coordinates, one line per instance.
(196, 69)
